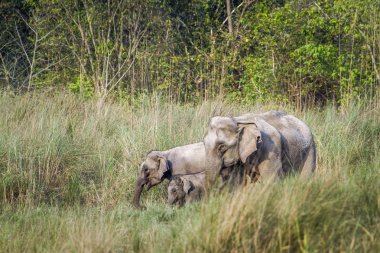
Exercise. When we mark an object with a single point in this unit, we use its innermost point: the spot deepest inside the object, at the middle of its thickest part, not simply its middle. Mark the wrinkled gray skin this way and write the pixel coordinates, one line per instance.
(235, 175)
(266, 145)
(186, 189)
(160, 165)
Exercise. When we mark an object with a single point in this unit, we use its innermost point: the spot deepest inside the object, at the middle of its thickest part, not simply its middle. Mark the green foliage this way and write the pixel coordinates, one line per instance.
(313, 49)
(82, 86)
(298, 50)
(316, 60)
(258, 83)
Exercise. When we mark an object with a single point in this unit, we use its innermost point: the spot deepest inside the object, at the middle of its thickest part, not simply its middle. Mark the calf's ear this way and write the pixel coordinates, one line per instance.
(162, 166)
(188, 186)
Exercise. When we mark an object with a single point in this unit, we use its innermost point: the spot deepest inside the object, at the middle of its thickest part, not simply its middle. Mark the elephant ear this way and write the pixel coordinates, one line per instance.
(188, 186)
(250, 137)
(162, 166)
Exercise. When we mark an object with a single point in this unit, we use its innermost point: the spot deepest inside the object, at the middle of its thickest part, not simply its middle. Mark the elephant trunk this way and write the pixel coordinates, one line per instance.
(212, 171)
(138, 190)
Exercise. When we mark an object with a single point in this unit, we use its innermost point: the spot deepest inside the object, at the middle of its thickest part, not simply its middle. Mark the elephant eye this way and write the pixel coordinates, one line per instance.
(145, 170)
(174, 190)
(222, 148)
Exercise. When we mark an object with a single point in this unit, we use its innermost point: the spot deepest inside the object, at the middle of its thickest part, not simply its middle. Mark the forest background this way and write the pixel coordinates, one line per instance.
(300, 51)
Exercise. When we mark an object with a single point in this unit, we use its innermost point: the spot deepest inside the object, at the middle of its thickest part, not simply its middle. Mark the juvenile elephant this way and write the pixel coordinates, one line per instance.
(264, 145)
(186, 189)
(160, 165)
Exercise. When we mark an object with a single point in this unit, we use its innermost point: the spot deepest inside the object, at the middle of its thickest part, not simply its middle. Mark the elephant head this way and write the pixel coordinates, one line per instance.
(229, 142)
(178, 189)
(151, 172)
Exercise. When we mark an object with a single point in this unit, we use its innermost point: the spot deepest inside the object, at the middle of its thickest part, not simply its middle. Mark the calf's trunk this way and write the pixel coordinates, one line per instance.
(138, 190)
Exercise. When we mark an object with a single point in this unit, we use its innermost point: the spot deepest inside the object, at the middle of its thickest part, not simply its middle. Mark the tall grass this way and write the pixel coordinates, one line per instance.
(68, 168)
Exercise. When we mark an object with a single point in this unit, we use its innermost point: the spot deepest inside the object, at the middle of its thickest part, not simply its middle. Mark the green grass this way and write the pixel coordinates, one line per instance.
(68, 168)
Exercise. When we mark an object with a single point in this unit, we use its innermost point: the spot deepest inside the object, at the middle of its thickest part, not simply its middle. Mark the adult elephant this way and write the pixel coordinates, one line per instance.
(161, 165)
(264, 145)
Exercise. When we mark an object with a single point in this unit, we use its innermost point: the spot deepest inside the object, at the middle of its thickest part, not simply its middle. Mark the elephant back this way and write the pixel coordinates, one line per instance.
(296, 140)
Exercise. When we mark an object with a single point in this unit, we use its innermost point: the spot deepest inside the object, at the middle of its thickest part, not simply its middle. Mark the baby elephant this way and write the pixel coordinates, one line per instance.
(186, 188)
(161, 165)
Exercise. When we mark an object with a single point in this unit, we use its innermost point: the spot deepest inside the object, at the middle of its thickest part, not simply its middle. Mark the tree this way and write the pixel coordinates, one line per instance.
(229, 17)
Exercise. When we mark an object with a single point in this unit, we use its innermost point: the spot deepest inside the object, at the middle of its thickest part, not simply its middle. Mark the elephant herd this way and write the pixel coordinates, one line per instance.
(253, 147)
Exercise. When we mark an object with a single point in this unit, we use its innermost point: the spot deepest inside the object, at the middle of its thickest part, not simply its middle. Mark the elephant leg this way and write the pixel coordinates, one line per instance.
(211, 178)
(270, 169)
(309, 164)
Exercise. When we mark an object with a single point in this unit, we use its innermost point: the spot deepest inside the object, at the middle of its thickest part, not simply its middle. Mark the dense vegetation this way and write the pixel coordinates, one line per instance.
(68, 168)
(296, 50)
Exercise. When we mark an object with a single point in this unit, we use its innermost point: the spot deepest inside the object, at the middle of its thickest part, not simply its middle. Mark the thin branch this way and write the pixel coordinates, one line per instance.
(22, 45)
(232, 12)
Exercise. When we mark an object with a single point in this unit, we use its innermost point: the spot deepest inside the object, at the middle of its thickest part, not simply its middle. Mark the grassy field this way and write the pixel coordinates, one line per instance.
(68, 167)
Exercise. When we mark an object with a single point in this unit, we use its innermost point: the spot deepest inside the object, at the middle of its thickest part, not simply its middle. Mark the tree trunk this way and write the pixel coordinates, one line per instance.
(229, 17)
